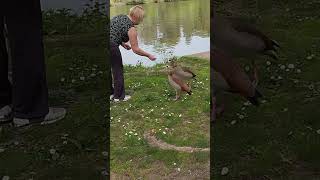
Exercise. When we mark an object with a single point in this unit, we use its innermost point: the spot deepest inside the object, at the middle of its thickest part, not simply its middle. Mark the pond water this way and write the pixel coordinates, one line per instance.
(170, 29)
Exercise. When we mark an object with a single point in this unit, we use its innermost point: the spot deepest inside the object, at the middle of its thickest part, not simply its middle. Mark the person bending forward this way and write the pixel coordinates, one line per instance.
(122, 30)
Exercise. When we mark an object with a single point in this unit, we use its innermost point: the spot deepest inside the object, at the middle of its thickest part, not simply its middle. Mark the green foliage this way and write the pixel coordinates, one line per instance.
(65, 21)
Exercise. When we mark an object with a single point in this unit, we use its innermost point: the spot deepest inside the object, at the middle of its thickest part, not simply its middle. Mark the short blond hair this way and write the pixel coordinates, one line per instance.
(137, 12)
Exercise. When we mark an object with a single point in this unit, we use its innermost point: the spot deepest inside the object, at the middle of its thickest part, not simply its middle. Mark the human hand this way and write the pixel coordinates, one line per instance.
(126, 46)
(152, 57)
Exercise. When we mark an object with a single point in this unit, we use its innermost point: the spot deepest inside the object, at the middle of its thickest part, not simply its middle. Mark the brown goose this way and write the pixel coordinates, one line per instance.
(235, 36)
(238, 38)
(184, 73)
(228, 76)
(178, 84)
(181, 72)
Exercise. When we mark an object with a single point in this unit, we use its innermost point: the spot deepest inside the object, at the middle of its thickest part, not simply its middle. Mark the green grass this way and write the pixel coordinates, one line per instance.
(185, 123)
(278, 140)
(80, 139)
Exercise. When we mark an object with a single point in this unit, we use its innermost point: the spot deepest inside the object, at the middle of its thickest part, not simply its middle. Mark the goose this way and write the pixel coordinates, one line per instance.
(178, 84)
(234, 35)
(183, 73)
(239, 38)
(228, 76)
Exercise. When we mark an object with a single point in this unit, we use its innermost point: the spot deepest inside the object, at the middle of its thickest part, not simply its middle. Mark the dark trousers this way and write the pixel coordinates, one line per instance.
(117, 72)
(28, 93)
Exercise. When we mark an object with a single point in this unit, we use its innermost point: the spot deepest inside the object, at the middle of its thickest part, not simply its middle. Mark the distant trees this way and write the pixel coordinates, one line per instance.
(65, 21)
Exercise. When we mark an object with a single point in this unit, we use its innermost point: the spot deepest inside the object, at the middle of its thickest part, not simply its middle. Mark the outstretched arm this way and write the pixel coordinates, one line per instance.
(133, 37)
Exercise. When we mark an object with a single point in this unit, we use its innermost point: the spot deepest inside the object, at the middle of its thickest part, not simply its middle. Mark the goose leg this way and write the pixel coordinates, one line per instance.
(178, 93)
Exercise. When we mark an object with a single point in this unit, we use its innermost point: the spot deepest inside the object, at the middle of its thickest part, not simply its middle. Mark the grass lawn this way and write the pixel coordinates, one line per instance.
(74, 148)
(280, 139)
(182, 123)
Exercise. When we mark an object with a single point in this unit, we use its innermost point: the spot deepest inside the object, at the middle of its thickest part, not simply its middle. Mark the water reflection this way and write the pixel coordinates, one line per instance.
(177, 28)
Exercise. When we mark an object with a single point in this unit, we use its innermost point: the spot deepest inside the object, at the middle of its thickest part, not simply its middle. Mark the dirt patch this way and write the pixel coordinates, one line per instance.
(154, 142)
(159, 171)
(114, 176)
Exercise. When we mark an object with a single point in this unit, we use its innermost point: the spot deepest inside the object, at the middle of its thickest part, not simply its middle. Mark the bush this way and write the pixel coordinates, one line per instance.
(65, 21)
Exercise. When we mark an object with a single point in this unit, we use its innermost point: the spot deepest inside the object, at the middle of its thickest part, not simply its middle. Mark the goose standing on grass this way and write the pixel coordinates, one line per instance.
(228, 76)
(177, 83)
(182, 72)
(238, 38)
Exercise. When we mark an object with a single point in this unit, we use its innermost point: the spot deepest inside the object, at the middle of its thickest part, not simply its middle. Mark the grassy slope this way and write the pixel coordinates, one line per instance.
(278, 140)
(80, 156)
(152, 107)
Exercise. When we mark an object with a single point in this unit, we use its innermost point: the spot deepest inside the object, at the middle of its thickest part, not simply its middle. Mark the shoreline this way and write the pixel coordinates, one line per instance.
(125, 4)
(201, 55)
(204, 55)
(118, 4)
(137, 3)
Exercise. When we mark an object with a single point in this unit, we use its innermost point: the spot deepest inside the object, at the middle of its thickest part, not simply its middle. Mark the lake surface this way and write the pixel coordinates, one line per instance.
(170, 29)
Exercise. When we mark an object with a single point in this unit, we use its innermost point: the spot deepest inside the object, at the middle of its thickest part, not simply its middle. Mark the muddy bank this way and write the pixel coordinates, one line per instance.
(205, 55)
